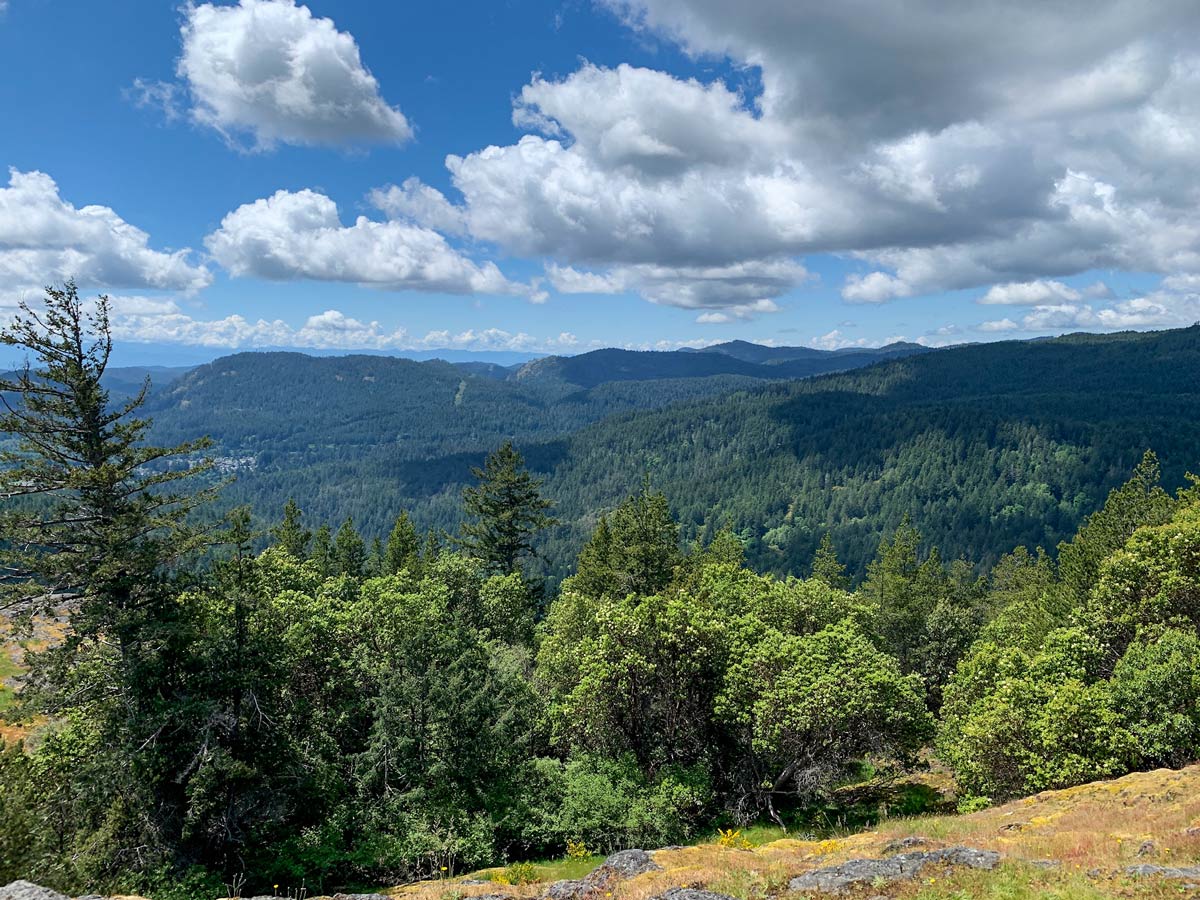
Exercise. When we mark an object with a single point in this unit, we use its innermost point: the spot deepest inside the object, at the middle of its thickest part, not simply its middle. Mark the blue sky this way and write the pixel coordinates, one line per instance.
(662, 172)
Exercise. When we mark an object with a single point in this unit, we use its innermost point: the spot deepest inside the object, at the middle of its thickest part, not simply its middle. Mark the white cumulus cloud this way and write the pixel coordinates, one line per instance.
(272, 70)
(1029, 293)
(45, 238)
(1033, 142)
(741, 290)
(162, 320)
(1174, 304)
(299, 235)
(419, 203)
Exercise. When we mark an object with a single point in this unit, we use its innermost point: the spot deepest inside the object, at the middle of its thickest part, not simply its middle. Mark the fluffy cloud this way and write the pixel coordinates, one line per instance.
(650, 122)
(299, 235)
(742, 290)
(998, 325)
(421, 204)
(1031, 143)
(1175, 304)
(44, 238)
(161, 320)
(1029, 293)
(863, 70)
(733, 313)
(271, 70)
(874, 287)
(837, 340)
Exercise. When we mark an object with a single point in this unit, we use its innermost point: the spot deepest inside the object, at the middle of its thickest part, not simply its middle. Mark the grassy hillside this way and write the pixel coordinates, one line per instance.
(1074, 844)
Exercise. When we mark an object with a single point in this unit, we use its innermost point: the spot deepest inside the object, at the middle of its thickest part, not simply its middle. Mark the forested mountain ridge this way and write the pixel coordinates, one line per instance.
(984, 446)
(762, 353)
(734, 358)
(341, 432)
(367, 435)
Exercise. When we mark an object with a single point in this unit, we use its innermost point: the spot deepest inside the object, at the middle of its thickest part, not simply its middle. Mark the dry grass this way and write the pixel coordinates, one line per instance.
(1093, 831)
(45, 631)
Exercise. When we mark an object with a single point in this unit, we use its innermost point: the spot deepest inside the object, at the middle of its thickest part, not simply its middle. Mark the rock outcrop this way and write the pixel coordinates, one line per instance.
(618, 867)
(682, 893)
(902, 866)
(26, 890)
(1188, 874)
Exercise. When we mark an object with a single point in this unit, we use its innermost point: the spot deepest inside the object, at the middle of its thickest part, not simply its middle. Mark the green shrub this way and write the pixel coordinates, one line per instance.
(1155, 690)
(518, 873)
(973, 804)
(608, 804)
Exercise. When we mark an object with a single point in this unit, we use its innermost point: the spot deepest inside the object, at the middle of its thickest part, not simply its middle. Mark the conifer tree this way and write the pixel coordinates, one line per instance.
(290, 533)
(95, 521)
(375, 559)
(403, 547)
(322, 551)
(826, 566)
(505, 511)
(91, 512)
(349, 551)
(894, 587)
(431, 552)
(635, 550)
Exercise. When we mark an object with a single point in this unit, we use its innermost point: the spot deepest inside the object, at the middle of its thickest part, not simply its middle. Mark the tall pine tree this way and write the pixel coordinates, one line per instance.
(95, 521)
(403, 547)
(505, 511)
(349, 551)
(290, 533)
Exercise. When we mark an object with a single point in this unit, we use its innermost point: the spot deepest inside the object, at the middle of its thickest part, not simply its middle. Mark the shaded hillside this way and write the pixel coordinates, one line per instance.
(368, 435)
(985, 447)
(735, 358)
(125, 380)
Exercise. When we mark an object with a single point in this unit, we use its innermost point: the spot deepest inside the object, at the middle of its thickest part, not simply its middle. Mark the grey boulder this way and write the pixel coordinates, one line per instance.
(27, 890)
(681, 893)
(1175, 873)
(618, 867)
(902, 866)
(628, 863)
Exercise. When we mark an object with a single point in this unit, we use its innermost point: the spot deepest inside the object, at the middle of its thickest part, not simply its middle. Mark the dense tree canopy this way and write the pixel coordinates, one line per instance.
(984, 447)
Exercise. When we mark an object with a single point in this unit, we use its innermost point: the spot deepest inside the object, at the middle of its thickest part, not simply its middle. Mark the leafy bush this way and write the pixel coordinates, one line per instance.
(1118, 690)
(518, 873)
(969, 805)
(609, 804)
(1155, 691)
(806, 707)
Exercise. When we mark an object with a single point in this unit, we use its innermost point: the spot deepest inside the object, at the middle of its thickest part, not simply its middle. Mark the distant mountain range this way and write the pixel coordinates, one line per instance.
(983, 446)
(734, 358)
(134, 356)
(762, 353)
(129, 354)
(588, 369)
